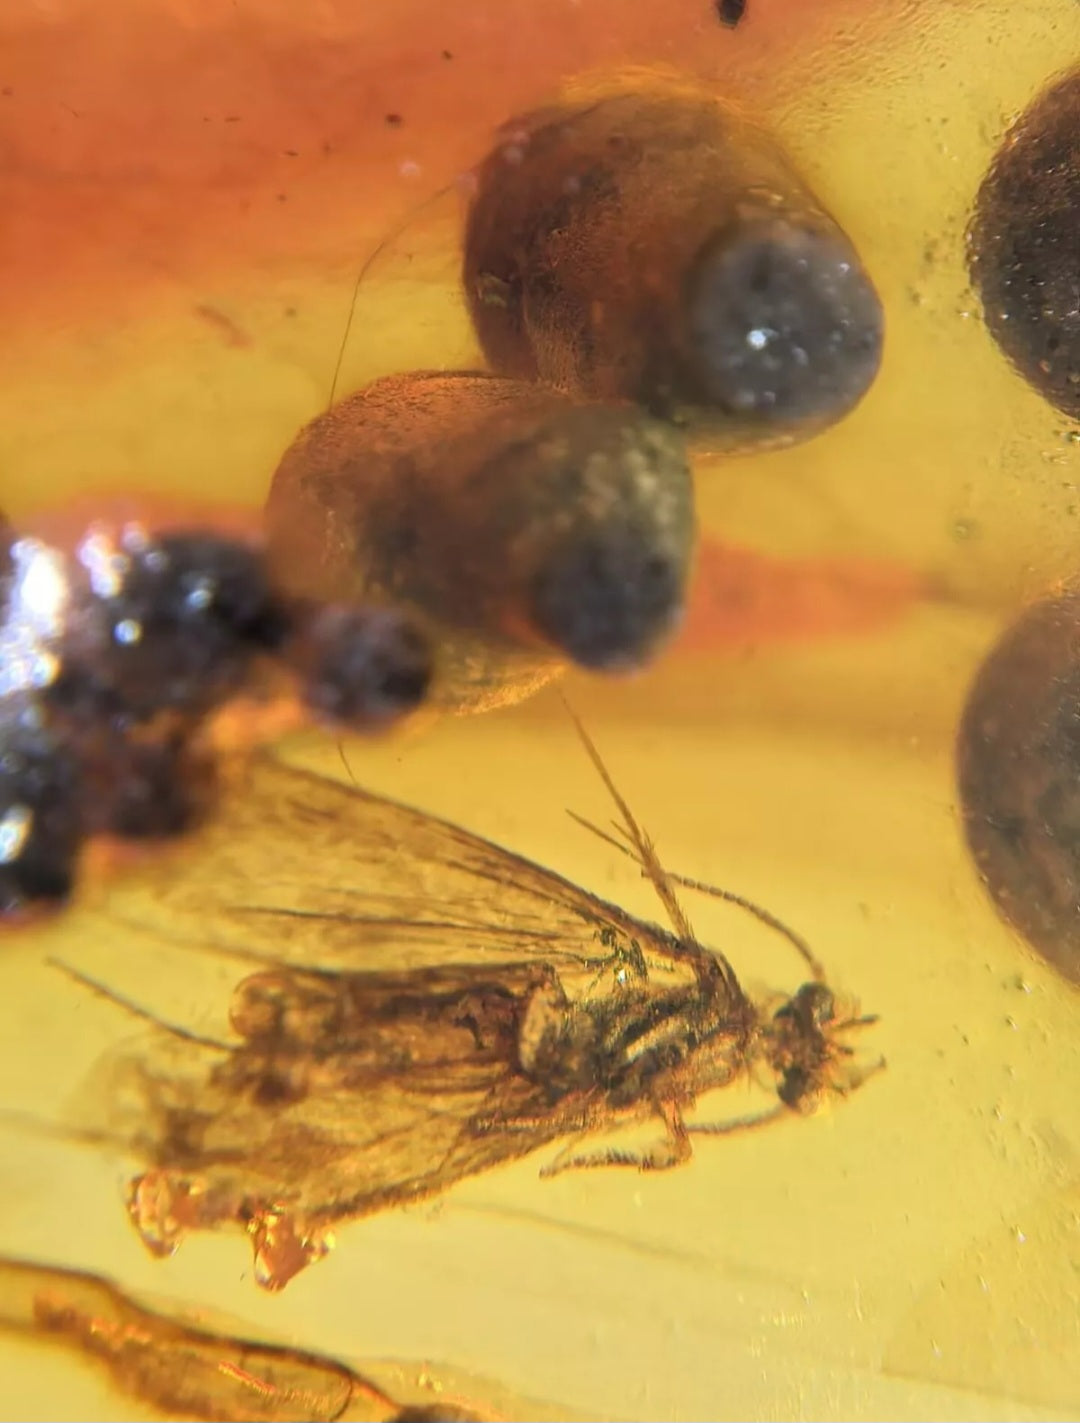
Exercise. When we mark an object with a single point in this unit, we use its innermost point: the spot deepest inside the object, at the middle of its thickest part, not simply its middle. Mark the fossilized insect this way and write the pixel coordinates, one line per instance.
(439, 1007)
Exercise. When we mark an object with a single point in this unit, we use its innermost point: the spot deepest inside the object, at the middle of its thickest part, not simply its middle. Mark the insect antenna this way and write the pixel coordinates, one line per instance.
(136, 1010)
(729, 896)
(797, 942)
(641, 844)
(13, 1119)
(866, 1021)
(345, 763)
(641, 849)
(369, 261)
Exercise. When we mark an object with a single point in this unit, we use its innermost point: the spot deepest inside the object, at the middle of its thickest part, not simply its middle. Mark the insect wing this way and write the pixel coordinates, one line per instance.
(336, 1130)
(296, 868)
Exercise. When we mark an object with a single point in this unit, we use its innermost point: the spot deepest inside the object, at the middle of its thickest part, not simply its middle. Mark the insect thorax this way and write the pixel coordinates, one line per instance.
(621, 1044)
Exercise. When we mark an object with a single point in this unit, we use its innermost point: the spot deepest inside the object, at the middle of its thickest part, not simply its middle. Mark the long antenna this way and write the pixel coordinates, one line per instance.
(11, 1118)
(372, 257)
(102, 990)
(797, 942)
(646, 851)
(759, 912)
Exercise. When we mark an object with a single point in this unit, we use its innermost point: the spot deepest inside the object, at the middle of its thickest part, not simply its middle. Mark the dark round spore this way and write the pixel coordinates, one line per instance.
(614, 497)
(41, 821)
(1018, 770)
(730, 12)
(784, 320)
(362, 665)
(656, 245)
(1024, 245)
(608, 599)
(179, 632)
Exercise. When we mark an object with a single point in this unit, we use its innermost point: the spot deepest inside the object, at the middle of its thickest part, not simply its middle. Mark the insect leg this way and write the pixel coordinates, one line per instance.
(854, 1078)
(758, 1119)
(672, 1151)
(283, 1244)
(102, 990)
(481, 1125)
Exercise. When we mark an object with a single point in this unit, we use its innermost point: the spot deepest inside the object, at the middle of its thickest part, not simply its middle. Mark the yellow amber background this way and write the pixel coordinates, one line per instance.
(176, 283)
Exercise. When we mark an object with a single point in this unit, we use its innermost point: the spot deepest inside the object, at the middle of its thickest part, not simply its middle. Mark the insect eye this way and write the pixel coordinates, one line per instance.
(814, 1005)
(794, 1086)
(823, 1005)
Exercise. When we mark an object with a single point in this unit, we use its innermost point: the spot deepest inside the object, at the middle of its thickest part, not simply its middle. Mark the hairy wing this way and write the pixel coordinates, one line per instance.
(333, 1131)
(300, 869)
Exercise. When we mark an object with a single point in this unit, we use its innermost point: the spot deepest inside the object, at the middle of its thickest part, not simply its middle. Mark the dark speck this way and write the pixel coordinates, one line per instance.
(730, 12)
(447, 54)
(394, 120)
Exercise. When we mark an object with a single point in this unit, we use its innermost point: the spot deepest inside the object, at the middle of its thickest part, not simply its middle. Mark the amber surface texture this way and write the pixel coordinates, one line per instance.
(838, 679)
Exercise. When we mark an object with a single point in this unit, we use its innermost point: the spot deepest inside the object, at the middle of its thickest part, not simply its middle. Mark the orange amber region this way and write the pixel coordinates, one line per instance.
(151, 147)
(158, 150)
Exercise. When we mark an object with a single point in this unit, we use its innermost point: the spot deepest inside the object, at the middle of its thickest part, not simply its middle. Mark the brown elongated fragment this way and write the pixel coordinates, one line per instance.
(1024, 244)
(187, 1372)
(730, 13)
(527, 528)
(1018, 773)
(425, 1006)
(647, 241)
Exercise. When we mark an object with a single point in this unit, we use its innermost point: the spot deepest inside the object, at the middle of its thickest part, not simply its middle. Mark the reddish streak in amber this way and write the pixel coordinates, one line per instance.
(740, 597)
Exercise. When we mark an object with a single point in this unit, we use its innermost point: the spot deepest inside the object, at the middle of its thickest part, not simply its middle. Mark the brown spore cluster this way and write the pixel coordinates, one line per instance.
(530, 528)
(1024, 245)
(1018, 768)
(640, 268)
(656, 245)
